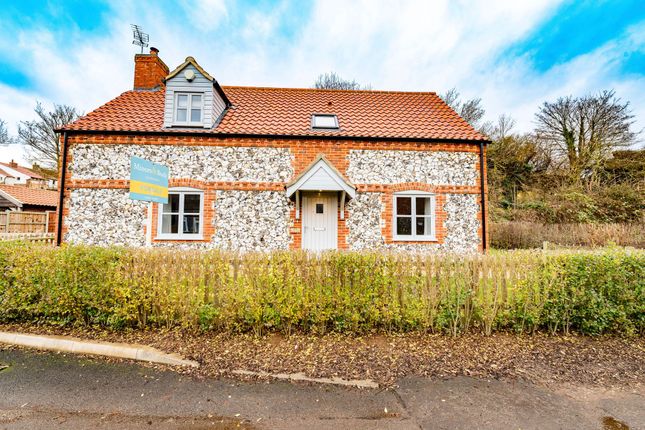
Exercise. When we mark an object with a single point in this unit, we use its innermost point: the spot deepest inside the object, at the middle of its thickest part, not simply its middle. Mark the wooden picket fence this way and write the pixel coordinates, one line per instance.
(29, 237)
(27, 222)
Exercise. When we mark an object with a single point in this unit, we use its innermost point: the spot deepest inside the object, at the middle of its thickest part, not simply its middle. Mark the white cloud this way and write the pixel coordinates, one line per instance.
(407, 45)
(517, 89)
(205, 14)
(15, 106)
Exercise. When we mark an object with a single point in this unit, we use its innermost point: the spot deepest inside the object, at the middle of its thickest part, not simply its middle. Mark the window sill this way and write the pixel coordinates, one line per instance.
(415, 239)
(191, 125)
(184, 238)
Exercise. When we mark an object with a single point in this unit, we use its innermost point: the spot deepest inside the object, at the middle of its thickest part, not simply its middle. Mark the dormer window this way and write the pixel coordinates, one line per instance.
(324, 121)
(189, 109)
(193, 98)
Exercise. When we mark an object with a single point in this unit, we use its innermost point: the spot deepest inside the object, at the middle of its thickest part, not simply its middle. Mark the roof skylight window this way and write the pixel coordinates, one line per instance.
(324, 121)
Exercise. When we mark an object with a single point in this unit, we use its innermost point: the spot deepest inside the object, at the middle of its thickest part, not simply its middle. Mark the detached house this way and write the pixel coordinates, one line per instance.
(274, 168)
(36, 177)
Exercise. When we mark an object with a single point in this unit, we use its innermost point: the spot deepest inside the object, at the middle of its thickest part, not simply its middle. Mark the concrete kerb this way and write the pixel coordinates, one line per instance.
(145, 353)
(78, 346)
(359, 383)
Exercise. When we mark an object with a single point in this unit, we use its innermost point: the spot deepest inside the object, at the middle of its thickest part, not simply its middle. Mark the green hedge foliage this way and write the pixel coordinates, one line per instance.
(524, 291)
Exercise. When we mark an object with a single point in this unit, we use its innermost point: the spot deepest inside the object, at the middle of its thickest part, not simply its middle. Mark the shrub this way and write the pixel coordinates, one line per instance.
(617, 203)
(593, 293)
(620, 203)
(349, 292)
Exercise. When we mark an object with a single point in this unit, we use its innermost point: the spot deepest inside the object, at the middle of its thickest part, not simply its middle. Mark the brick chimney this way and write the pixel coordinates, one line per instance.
(13, 164)
(149, 71)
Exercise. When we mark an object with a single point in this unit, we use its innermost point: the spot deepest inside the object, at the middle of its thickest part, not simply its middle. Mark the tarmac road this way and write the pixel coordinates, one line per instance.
(49, 390)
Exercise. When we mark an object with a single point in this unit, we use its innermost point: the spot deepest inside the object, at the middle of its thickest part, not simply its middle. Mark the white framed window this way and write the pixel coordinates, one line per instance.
(324, 121)
(189, 108)
(414, 216)
(182, 218)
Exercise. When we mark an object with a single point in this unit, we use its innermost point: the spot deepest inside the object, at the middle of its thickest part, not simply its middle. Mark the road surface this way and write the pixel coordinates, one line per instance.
(49, 390)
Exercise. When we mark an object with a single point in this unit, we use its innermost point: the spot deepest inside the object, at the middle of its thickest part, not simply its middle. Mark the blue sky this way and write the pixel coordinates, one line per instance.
(513, 54)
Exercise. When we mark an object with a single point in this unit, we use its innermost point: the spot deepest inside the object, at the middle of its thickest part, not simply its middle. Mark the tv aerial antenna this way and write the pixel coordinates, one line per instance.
(140, 38)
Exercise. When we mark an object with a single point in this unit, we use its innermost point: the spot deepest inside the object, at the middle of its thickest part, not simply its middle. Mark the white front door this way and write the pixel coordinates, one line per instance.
(319, 221)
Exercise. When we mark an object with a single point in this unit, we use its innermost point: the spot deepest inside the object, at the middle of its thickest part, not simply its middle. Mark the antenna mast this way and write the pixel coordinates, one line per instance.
(140, 38)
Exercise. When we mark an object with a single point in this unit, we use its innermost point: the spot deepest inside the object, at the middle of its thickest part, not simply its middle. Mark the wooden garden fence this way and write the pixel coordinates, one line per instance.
(27, 222)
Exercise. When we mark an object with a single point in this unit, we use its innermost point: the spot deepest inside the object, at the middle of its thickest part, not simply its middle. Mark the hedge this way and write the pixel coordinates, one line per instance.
(523, 291)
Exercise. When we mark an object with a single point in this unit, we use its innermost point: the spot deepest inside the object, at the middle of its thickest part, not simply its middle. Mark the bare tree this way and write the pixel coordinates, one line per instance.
(39, 137)
(503, 128)
(513, 159)
(5, 139)
(332, 81)
(585, 130)
(470, 110)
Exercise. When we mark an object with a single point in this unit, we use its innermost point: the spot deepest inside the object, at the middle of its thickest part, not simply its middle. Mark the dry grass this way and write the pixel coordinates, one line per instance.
(527, 235)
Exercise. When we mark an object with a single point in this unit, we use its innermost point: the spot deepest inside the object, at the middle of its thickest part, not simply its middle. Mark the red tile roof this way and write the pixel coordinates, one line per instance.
(31, 196)
(24, 170)
(287, 111)
(6, 174)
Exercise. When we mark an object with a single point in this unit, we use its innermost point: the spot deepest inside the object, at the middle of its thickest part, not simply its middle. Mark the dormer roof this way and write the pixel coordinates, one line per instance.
(182, 66)
(191, 61)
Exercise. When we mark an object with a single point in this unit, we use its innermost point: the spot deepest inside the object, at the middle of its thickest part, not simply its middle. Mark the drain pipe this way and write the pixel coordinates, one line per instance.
(482, 184)
(61, 192)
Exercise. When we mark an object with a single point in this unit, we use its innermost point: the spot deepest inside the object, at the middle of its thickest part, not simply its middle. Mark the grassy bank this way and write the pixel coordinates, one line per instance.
(586, 292)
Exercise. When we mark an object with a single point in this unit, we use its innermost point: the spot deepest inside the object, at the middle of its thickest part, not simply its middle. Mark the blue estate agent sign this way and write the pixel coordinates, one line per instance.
(148, 181)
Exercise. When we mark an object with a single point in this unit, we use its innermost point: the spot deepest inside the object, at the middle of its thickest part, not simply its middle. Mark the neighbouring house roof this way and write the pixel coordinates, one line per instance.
(21, 195)
(24, 170)
(288, 111)
(321, 175)
(5, 174)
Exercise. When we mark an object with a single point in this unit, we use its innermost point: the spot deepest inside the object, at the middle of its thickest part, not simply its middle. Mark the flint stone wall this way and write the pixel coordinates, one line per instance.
(205, 163)
(105, 217)
(259, 220)
(430, 167)
(244, 220)
(251, 220)
(365, 221)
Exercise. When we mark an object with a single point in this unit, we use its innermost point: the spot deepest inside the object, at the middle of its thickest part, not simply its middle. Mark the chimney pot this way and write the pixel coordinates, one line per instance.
(154, 51)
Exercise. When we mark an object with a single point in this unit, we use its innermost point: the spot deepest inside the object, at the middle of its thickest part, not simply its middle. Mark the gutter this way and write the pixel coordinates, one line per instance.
(482, 184)
(61, 192)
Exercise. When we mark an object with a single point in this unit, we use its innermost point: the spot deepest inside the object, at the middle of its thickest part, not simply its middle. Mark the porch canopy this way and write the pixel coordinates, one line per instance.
(320, 176)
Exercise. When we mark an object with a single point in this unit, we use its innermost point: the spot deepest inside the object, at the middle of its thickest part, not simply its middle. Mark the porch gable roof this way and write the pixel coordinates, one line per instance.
(321, 175)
